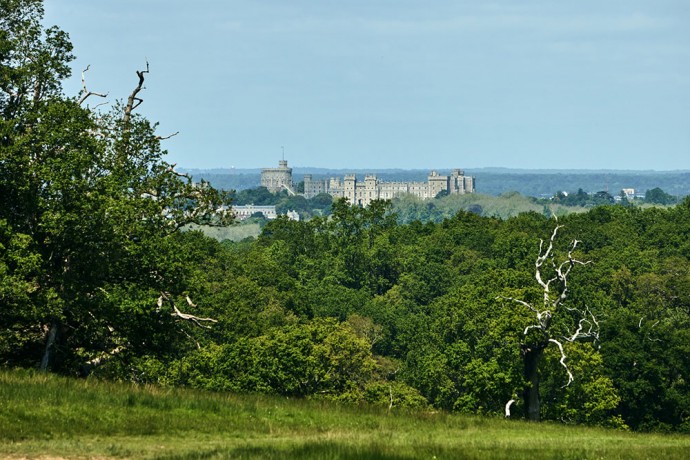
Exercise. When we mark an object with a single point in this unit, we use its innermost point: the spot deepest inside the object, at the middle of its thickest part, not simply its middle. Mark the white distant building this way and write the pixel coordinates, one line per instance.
(629, 193)
(293, 215)
(269, 212)
(246, 211)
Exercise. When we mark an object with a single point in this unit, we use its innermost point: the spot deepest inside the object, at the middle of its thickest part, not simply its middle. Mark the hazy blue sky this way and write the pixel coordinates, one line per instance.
(411, 84)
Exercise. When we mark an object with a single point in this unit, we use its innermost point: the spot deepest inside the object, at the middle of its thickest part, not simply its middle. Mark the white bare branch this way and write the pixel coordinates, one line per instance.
(508, 404)
(162, 138)
(541, 258)
(521, 302)
(185, 316)
(171, 170)
(104, 357)
(531, 326)
(562, 361)
(86, 93)
(588, 321)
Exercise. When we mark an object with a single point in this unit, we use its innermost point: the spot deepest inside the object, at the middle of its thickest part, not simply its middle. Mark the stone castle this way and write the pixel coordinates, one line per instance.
(278, 179)
(363, 192)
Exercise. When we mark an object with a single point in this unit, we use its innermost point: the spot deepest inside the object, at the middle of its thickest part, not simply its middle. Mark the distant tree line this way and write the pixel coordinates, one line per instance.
(409, 208)
(582, 198)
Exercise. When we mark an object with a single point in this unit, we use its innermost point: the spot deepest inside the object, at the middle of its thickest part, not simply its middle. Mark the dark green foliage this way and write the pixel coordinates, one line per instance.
(581, 198)
(658, 196)
(320, 357)
(89, 212)
(259, 196)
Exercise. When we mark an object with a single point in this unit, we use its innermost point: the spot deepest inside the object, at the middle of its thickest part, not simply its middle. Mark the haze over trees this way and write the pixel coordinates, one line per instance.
(96, 278)
(490, 181)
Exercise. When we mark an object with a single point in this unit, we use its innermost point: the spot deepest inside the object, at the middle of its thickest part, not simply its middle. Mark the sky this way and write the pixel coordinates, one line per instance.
(374, 84)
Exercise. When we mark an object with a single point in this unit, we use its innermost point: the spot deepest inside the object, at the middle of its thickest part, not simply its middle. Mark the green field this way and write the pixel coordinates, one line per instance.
(43, 416)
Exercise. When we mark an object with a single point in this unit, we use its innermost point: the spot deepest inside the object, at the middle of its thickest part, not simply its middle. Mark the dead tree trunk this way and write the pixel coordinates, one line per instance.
(50, 344)
(531, 359)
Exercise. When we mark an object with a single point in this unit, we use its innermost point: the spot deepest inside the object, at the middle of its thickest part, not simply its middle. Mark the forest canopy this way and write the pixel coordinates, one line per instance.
(97, 279)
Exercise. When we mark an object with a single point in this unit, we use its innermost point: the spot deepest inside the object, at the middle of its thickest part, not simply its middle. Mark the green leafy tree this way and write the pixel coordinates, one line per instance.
(601, 198)
(658, 196)
(90, 203)
(316, 358)
(259, 196)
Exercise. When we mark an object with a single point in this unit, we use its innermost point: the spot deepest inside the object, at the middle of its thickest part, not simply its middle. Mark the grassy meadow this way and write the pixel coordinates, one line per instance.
(44, 416)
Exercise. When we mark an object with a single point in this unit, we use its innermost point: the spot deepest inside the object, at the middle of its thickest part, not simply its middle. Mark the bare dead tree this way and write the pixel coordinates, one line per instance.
(133, 101)
(85, 93)
(166, 297)
(538, 336)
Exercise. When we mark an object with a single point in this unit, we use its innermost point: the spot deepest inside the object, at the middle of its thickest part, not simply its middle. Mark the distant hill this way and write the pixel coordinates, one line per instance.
(491, 181)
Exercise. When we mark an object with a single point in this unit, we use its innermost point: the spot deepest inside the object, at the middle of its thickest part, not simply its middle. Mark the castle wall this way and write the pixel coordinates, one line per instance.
(364, 192)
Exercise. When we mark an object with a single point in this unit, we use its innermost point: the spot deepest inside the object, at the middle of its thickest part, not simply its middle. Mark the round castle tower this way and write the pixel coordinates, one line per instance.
(277, 179)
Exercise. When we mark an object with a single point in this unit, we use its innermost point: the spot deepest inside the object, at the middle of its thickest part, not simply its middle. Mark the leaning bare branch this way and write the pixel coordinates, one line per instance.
(578, 332)
(562, 361)
(162, 138)
(197, 320)
(171, 170)
(99, 105)
(185, 316)
(86, 93)
(521, 302)
(133, 101)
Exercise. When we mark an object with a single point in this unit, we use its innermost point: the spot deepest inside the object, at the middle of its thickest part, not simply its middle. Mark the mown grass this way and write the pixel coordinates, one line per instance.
(44, 416)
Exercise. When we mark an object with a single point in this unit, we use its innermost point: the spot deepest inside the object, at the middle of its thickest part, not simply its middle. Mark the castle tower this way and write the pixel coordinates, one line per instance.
(277, 179)
(314, 187)
(350, 188)
(436, 184)
(370, 191)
